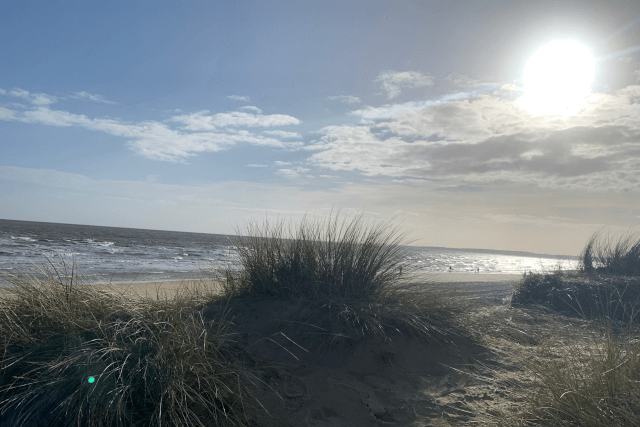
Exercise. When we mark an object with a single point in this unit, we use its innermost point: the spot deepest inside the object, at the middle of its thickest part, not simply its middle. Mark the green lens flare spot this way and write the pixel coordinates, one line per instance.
(91, 379)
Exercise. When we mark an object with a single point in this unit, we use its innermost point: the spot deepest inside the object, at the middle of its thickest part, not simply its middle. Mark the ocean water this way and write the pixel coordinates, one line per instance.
(125, 254)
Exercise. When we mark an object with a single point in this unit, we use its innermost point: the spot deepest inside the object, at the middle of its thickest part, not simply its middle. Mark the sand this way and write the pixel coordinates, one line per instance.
(483, 284)
(359, 382)
(135, 290)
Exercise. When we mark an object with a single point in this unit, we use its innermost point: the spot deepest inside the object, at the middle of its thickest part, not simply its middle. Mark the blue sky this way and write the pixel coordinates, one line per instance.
(199, 115)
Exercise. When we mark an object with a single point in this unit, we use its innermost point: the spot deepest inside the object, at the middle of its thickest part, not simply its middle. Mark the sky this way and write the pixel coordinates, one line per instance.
(204, 116)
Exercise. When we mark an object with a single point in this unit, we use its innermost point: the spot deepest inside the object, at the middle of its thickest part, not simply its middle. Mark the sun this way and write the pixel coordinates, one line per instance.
(557, 77)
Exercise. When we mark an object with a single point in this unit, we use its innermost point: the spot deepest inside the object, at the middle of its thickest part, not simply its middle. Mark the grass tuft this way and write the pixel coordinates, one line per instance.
(601, 257)
(355, 266)
(153, 361)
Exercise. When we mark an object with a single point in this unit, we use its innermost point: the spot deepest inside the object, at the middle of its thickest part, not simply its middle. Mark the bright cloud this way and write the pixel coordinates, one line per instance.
(392, 81)
(283, 134)
(348, 99)
(34, 98)
(202, 121)
(488, 138)
(295, 173)
(6, 114)
(91, 97)
(251, 108)
(239, 98)
(462, 81)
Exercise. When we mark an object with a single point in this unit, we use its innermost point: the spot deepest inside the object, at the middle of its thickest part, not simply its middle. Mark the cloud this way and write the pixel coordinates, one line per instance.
(464, 82)
(353, 148)
(91, 97)
(34, 98)
(296, 173)
(42, 99)
(6, 114)
(239, 98)
(282, 134)
(279, 163)
(3, 92)
(251, 108)
(392, 81)
(258, 166)
(487, 138)
(20, 93)
(370, 114)
(201, 121)
(156, 140)
(348, 99)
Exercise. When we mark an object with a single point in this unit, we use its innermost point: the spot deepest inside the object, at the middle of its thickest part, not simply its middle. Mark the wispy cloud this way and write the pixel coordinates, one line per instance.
(348, 99)
(465, 82)
(20, 93)
(283, 134)
(156, 140)
(239, 98)
(6, 114)
(294, 173)
(257, 166)
(370, 114)
(251, 108)
(279, 163)
(392, 81)
(201, 120)
(34, 98)
(91, 97)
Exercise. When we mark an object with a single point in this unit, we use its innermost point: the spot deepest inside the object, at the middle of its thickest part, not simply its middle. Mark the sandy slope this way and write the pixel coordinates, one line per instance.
(354, 381)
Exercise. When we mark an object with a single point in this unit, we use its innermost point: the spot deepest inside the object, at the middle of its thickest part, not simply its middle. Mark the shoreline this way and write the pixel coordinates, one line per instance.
(492, 286)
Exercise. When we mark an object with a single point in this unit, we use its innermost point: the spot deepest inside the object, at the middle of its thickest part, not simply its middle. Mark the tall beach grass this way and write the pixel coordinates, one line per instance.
(76, 356)
(600, 256)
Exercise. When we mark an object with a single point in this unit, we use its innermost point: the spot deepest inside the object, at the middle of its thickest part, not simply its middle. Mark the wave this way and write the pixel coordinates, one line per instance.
(26, 239)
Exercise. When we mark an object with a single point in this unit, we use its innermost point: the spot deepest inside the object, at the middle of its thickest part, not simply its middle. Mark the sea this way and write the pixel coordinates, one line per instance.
(122, 255)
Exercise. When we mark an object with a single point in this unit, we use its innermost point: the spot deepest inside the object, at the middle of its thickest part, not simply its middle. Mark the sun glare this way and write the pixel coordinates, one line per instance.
(557, 77)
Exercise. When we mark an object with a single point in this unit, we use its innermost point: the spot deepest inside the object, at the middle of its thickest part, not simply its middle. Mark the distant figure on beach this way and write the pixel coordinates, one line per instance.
(400, 269)
(477, 269)
(450, 269)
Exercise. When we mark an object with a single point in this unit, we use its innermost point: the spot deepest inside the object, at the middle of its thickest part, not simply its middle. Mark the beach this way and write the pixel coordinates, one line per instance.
(492, 287)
